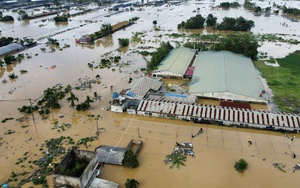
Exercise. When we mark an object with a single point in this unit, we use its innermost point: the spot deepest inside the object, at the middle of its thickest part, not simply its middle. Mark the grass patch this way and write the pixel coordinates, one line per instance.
(284, 81)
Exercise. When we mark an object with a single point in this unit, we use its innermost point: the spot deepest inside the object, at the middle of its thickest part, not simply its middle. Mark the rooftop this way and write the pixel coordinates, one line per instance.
(223, 74)
(10, 48)
(138, 88)
(110, 154)
(176, 63)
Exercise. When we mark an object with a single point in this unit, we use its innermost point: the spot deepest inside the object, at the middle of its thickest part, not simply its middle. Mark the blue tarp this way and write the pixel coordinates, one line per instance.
(130, 93)
(115, 95)
(175, 95)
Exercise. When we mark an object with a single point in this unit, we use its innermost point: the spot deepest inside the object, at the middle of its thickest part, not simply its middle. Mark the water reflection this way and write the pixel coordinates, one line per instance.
(9, 68)
(108, 41)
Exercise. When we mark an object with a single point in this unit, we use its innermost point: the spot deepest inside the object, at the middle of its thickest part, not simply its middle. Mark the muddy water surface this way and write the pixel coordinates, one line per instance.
(216, 149)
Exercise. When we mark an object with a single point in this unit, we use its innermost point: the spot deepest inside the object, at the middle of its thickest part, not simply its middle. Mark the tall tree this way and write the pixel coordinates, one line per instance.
(245, 44)
(23, 15)
(211, 21)
(106, 29)
(72, 99)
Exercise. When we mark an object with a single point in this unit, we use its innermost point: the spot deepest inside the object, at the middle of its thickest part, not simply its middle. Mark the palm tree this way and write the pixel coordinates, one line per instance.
(72, 99)
(176, 158)
(51, 98)
(88, 100)
(131, 183)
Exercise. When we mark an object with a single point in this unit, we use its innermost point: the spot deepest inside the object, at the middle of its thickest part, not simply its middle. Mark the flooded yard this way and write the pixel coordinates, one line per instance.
(216, 149)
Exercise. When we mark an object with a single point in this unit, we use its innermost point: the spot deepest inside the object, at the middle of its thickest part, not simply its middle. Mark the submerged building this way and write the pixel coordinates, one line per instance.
(224, 75)
(10, 48)
(176, 64)
(69, 174)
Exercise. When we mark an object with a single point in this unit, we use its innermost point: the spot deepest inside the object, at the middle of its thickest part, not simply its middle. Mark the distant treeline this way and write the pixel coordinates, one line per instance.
(235, 24)
(293, 11)
(227, 5)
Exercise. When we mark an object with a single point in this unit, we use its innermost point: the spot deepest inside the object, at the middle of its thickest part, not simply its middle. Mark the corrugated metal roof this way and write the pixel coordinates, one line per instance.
(238, 115)
(10, 48)
(227, 75)
(110, 154)
(177, 62)
(102, 183)
(139, 87)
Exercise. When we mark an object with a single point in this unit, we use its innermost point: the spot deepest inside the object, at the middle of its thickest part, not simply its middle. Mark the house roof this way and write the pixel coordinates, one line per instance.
(221, 74)
(176, 63)
(138, 88)
(102, 183)
(10, 48)
(110, 154)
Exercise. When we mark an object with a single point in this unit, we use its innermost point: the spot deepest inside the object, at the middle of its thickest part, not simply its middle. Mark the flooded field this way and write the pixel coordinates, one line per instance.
(216, 149)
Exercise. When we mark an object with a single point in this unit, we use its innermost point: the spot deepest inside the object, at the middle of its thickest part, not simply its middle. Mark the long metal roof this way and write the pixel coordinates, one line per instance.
(237, 115)
(176, 63)
(223, 74)
(10, 48)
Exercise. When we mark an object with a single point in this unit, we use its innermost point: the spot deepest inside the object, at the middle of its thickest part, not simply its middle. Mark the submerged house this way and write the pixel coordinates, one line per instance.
(84, 39)
(176, 64)
(129, 98)
(79, 169)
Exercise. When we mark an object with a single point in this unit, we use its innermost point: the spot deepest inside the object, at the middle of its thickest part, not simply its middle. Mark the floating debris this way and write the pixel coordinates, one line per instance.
(296, 167)
(6, 119)
(185, 148)
(198, 133)
(280, 166)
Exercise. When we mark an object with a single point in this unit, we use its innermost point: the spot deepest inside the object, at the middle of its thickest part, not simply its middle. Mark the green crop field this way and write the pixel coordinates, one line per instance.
(284, 81)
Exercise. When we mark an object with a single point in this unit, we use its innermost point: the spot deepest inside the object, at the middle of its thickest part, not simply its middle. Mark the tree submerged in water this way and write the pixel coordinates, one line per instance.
(130, 160)
(131, 183)
(241, 165)
(176, 158)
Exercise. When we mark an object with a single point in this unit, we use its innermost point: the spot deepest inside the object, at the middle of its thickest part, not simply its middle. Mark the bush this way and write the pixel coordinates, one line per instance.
(63, 18)
(123, 42)
(241, 165)
(131, 183)
(6, 18)
(130, 160)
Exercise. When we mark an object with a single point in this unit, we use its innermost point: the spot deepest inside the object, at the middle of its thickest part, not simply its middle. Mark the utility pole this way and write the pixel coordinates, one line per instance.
(139, 132)
(31, 110)
(97, 132)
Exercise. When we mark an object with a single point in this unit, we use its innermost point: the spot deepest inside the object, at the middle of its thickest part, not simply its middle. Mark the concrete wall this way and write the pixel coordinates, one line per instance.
(116, 109)
(60, 180)
(88, 172)
(76, 182)
(131, 111)
(89, 155)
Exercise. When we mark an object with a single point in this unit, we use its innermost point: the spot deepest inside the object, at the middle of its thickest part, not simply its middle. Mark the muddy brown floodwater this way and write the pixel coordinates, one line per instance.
(216, 150)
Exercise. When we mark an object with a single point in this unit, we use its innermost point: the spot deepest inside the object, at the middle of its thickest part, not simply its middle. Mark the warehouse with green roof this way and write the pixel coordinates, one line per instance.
(225, 75)
(176, 63)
